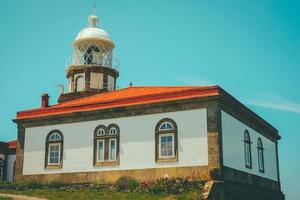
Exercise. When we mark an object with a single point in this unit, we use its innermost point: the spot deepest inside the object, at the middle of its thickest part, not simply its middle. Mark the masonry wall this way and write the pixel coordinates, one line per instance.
(137, 143)
(233, 148)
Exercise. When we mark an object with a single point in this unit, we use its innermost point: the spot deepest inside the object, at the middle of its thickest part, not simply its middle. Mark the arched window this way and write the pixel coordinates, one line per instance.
(79, 84)
(166, 141)
(106, 145)
(260, 151)
(247, 149)
(54, 149)
(1, 169)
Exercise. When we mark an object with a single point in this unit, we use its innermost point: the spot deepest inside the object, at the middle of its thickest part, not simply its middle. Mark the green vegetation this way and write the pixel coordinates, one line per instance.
(124, 188)
(103, 195)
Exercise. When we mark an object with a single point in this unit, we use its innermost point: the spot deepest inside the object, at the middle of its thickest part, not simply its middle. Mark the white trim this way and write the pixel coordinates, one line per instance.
(109, 150)
(53, 138)
(59, 149)
(166, 129)
(111, 132)
(173, 145)
(102, 130)
(103, 149)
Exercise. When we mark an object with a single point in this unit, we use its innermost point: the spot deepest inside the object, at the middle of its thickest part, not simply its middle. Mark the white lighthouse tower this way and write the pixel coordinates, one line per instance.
(90, 69)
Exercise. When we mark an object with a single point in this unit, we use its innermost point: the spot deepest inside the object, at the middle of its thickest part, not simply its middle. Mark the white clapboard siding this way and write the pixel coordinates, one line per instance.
(233, 148)
(137, 143)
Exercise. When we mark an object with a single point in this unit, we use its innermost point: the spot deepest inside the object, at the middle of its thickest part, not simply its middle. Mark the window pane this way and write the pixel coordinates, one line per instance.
(54, 156)
(100, 150)
(166, 146)
(112, 151)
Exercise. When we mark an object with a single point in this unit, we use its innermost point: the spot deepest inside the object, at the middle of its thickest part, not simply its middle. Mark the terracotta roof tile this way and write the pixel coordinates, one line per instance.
(12, 144)
(124, 97)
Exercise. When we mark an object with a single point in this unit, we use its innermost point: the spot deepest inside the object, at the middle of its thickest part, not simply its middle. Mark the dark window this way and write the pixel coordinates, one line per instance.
(1, 169)
(166, 141)
(247, 149)
(91, 55)
(54, 149)
(260, 151)
(106, 145)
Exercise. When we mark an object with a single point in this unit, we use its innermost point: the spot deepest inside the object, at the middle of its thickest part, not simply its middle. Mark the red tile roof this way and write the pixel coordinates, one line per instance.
(12, 144)
(130, 96)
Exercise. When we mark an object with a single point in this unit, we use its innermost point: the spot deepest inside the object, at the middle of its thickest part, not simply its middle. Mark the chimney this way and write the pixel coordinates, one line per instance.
(45, 100)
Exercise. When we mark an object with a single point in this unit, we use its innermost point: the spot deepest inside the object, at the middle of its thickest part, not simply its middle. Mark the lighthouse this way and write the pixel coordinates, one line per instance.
(91, 69)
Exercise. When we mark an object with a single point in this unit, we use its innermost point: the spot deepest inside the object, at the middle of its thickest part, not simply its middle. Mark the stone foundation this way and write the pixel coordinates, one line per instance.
(113, 175)
(225, 190)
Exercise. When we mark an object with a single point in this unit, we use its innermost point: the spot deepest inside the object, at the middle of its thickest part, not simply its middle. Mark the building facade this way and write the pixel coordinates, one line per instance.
(7, 160)
(97, 133)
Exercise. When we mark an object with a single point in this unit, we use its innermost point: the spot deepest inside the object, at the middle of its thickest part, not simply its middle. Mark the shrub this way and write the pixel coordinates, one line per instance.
(20, 185)
(126, 183)
(175, 186)
(56, 185)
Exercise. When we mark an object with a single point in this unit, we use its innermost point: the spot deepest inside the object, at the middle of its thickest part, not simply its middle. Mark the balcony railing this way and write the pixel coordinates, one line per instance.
(93, 59)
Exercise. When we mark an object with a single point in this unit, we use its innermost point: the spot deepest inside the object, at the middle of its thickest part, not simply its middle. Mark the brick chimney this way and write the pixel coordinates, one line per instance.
(45, 100)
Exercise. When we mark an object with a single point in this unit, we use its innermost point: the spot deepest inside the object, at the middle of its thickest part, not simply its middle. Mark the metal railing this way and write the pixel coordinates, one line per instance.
(92, 59)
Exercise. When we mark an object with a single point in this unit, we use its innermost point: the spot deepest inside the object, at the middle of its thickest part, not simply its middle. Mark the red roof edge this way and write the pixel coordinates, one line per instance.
(12, 144)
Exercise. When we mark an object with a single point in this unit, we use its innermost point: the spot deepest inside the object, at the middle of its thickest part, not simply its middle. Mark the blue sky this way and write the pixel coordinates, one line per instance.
(251, 48)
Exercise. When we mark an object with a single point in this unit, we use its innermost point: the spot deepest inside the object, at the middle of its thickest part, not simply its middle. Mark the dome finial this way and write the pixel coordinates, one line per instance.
(93, 21)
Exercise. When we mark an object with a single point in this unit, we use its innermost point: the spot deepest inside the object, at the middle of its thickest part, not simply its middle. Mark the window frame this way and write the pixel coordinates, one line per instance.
(247, 142)
(49, 152)
(109, 150)
(106, 138)
(260, 148)
(97, 151)
(49, 143)
(173, 145)
(159, 133)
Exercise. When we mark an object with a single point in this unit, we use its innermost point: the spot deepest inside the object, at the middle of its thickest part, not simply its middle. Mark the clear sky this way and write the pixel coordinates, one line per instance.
(251, 48)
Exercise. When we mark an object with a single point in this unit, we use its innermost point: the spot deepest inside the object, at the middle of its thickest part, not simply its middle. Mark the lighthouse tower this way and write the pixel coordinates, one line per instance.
(90, 69)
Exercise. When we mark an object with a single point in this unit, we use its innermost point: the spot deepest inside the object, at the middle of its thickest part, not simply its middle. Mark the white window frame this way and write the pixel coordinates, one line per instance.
(59, 153)
(103, 150)
(109, 150)
(173, 145)
(166, 129)
(98, 132)
(113, 131)
(55, 139)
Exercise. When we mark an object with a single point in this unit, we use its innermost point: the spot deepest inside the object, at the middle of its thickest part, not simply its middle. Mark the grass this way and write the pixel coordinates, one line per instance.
(94, 194)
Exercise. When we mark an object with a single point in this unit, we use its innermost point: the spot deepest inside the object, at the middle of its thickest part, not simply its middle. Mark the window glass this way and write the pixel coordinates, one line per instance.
(1, 174)
(247, 149)
(167, 145)
(100, 157)
(55, 137)
(166, 126)
(54, 153)
(248, 161)
(260, 155)
(112, 149)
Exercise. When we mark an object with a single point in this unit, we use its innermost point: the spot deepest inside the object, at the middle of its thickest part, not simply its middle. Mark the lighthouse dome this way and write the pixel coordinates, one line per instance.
(93, 32)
